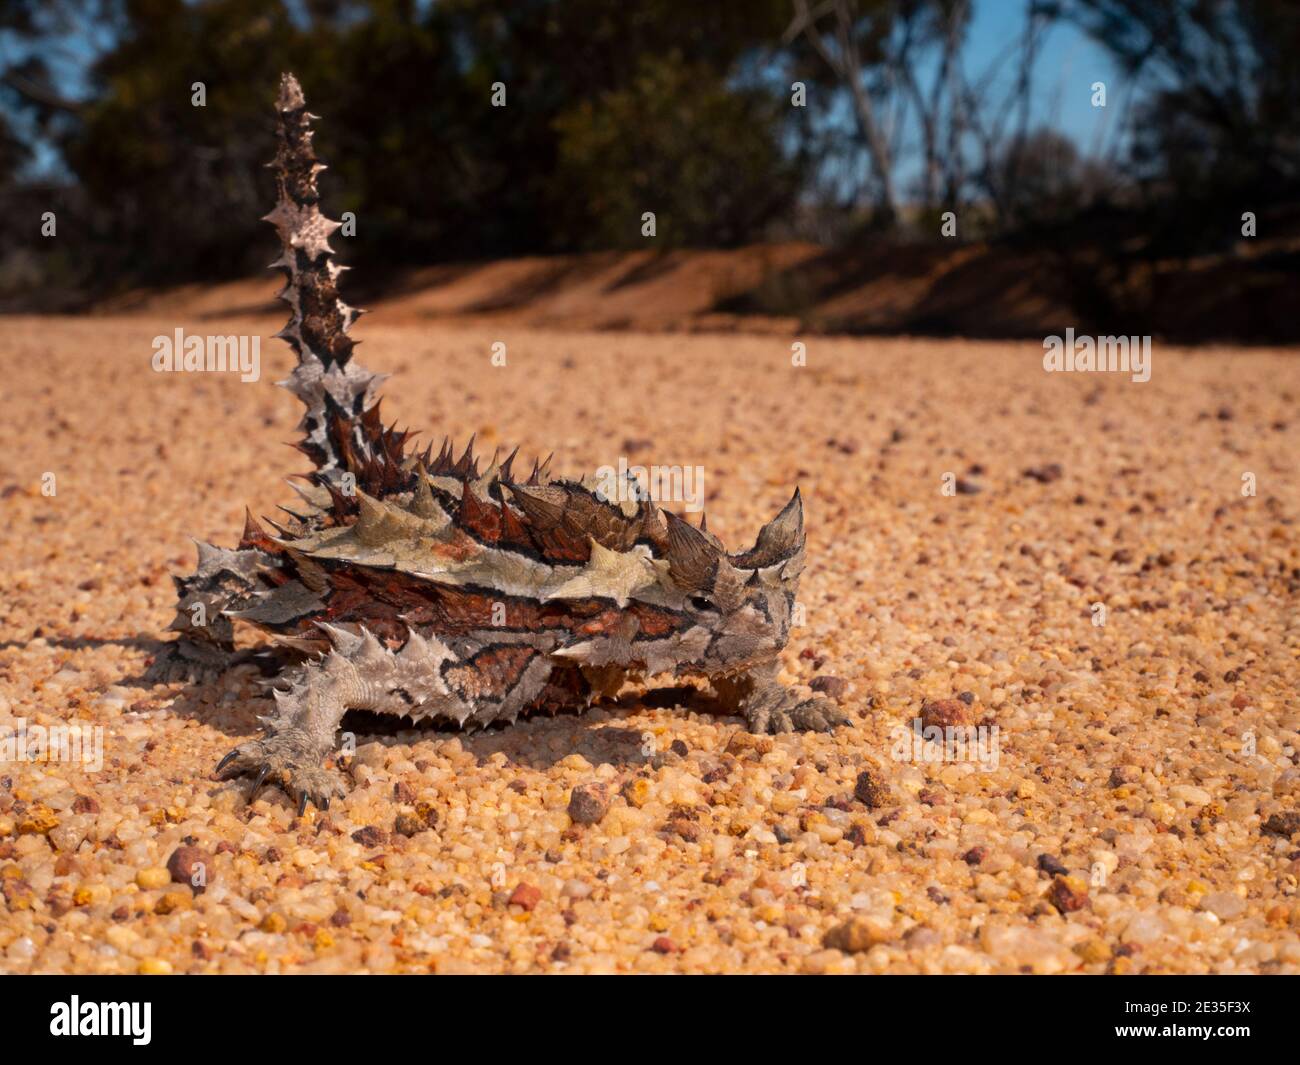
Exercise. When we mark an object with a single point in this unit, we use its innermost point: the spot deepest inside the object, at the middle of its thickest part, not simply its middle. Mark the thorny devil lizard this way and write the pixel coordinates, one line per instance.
(412, 584)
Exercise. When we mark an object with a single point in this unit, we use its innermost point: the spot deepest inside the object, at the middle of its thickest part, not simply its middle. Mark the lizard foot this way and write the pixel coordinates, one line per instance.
(293, 761)
(186, 661)
(778, 709)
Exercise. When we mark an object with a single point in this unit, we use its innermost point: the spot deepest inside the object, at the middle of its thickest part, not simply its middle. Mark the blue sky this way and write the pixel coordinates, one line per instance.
(1069, 63)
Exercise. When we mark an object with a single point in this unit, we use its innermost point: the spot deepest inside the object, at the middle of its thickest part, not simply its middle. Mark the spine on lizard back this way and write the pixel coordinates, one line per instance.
(333, 388)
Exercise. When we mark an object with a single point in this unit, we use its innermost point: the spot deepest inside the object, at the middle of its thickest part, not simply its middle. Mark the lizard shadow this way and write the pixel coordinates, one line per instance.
(213, 701)
(81, 643)
(537, 742)
(540, 742)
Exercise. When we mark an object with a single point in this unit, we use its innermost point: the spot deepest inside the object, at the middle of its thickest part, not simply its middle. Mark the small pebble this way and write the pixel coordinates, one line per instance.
(408, 825)
(526, 896)
(153, 878)
(870, 790)
(191, 866)
(370, 836)
(831, 687)
(1284, 824)
(946, 713)
(1052, 865)
(1068, 893)
(588, 803)
(1225, 905)
(857, 934)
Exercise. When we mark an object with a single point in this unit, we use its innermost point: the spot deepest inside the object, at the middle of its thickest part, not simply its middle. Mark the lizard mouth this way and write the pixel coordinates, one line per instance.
(730, 671)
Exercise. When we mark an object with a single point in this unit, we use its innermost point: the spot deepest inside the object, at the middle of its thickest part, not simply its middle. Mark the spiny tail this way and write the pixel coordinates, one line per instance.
(335, 390)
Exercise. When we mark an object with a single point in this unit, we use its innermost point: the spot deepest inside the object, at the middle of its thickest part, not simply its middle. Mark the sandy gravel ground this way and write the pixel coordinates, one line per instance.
(1140, 815)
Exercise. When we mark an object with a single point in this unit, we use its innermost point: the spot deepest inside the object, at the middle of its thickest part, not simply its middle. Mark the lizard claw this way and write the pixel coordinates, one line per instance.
(290, 761)
(817, 715)
(777, 709)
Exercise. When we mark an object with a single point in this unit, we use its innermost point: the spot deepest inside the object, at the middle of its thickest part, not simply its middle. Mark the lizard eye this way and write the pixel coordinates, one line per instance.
(702, 602)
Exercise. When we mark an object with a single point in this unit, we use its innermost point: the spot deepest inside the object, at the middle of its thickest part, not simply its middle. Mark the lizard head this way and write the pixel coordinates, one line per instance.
(690, 607)
(743, 602)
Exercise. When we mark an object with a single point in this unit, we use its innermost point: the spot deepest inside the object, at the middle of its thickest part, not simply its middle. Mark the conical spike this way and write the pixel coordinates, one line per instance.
(252, 531)
(504, 474)
(543, 506)
(479, 518)
(343, 641)
(416, 648)
(304, 492)
(467, 465)
(290, 97)
(544, 473)
(372, 651)
(444, 456)
(692, 559)
(209, 554)
(779, 539)
(512, 529)
(422, 502)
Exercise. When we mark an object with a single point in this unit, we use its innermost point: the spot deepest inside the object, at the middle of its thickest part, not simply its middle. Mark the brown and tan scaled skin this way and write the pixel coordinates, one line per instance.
(419, 585)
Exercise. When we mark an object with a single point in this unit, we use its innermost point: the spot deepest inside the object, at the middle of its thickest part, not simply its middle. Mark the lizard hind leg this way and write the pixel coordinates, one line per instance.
(223, 580)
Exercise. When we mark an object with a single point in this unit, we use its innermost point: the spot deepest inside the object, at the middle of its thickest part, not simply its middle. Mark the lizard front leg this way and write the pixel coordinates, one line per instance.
(358, 673)
(769, 706)
(301, 734)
